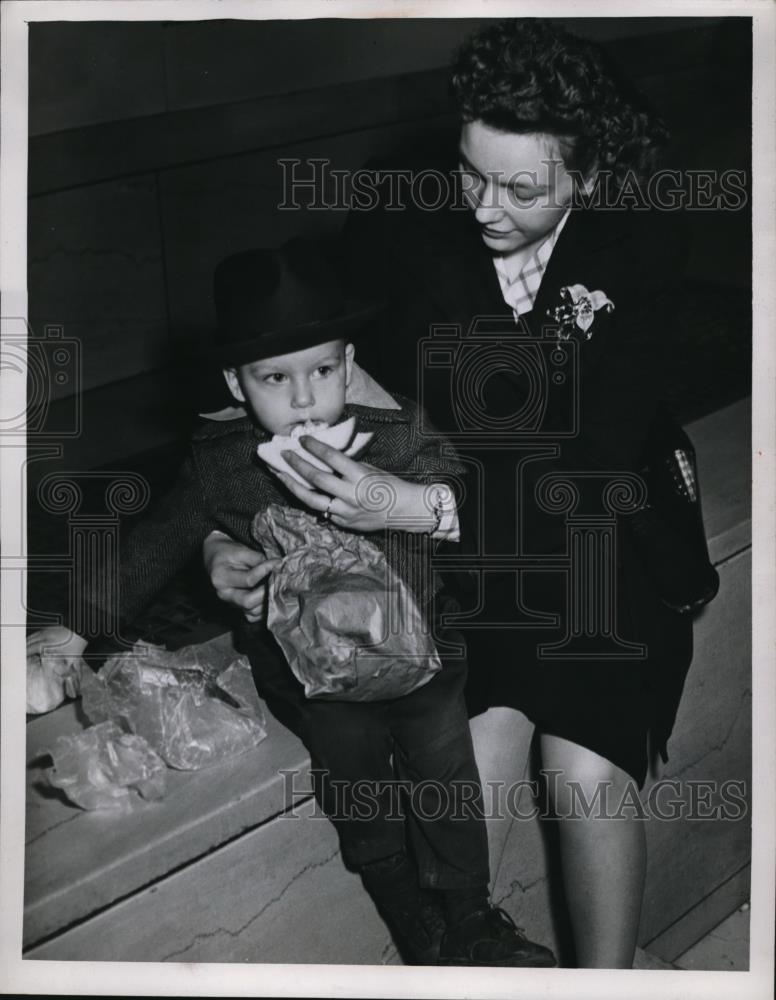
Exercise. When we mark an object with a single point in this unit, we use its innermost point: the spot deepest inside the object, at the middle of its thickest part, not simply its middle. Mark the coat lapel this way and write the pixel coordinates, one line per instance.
(587, 253)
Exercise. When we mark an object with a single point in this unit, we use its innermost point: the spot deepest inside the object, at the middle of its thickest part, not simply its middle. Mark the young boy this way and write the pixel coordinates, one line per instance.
(287, 357)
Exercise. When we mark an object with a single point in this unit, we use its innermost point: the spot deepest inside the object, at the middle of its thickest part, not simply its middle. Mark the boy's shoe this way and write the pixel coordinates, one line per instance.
(491, 938)
(419, 935)
(411, 913)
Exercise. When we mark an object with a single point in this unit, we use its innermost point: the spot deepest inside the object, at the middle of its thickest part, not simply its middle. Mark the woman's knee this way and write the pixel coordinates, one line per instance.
(577, 776)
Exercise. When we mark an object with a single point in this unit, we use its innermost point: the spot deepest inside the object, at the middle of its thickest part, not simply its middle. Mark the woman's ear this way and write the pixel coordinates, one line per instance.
(230, 374)
(589, 181)
(350, 353)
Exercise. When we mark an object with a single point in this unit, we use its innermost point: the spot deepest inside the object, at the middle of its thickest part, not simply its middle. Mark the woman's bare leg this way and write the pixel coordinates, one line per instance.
(603, 860)
(502, 738)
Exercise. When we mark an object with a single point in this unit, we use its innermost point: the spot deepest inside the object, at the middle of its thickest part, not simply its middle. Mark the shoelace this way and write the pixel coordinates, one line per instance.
(506, 922)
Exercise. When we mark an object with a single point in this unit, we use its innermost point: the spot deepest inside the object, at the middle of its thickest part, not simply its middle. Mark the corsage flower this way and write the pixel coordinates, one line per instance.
(578, 308)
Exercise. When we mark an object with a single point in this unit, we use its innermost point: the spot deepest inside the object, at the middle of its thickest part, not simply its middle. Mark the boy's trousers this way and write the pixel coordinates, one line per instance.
(383, 768)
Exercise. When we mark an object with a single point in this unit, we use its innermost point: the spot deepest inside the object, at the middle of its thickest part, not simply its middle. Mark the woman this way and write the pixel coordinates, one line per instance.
(565, 288)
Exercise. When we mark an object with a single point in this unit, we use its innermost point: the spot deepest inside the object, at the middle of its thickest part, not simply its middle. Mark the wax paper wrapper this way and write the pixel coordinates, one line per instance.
(346, 622)
(50, 680)
(104, 768)
(193, 709)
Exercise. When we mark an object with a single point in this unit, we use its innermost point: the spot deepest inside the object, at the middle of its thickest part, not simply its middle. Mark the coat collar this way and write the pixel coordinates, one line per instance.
(457, 269)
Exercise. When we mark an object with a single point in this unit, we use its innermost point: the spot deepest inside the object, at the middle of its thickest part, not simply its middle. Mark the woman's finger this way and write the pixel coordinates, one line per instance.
(325, 482)
(348, 468)
(311, 498)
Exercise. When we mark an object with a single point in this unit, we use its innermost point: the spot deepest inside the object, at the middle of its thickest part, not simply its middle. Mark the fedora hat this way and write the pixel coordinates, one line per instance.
(276, 301)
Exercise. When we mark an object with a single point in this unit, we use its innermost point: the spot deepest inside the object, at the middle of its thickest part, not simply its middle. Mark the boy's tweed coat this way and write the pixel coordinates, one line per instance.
(223, 485)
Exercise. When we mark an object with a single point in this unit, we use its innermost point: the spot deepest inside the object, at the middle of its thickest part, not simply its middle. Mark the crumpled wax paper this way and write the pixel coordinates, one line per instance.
(176, 702)
(50, 680)
(347, 623)
(104, 768)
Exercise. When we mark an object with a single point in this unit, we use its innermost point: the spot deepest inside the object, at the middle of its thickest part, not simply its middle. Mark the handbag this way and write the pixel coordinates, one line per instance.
(667, 530)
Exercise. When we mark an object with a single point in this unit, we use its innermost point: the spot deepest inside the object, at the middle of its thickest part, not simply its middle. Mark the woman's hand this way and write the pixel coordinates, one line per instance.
(355, 495)
(237, 573)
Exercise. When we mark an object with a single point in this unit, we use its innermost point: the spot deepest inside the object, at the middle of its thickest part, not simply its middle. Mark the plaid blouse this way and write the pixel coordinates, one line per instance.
(520, 291)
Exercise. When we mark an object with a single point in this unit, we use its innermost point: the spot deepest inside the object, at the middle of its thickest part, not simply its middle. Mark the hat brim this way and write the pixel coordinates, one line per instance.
(273, 343)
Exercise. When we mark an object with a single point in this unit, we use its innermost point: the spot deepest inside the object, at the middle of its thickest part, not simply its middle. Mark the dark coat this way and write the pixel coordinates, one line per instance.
(435, 271)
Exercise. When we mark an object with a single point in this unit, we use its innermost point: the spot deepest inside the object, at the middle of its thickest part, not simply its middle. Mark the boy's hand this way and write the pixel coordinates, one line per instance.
(237, 573)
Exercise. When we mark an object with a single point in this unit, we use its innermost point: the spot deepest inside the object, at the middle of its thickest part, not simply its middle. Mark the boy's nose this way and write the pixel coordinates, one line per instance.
(302, 396)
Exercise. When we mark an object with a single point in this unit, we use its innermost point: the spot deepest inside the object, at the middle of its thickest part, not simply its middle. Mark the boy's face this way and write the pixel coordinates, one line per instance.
(518, 195)
(289, 389)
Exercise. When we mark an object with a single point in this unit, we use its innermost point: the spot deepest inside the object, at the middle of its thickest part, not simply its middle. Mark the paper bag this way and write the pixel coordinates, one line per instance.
(347, 623)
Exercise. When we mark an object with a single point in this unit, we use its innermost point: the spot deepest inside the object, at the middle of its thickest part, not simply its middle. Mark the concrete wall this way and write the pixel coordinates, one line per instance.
(154, 152)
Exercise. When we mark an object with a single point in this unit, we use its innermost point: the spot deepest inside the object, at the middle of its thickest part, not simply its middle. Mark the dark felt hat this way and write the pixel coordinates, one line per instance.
(276, 301)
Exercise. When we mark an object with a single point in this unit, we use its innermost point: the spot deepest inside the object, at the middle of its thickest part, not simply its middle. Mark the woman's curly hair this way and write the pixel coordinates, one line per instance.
(530, 76)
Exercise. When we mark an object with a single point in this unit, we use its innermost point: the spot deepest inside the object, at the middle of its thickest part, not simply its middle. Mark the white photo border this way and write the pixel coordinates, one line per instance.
(176, 979)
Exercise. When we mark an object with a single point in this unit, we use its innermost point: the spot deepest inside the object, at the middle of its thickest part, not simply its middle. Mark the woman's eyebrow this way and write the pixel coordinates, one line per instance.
(526, 182)
(521, 181)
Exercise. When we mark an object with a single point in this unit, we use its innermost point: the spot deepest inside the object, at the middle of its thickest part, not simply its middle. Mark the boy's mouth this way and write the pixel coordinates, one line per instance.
(298, 426)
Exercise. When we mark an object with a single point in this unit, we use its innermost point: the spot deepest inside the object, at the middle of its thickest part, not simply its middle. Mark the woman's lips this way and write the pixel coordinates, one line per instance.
(493, 234)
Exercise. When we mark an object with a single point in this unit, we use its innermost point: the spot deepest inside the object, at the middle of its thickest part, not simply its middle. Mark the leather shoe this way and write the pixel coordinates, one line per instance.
(491, 938)
(417, 935)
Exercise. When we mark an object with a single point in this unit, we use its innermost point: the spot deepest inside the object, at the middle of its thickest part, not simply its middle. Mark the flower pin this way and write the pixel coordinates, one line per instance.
(578, 308)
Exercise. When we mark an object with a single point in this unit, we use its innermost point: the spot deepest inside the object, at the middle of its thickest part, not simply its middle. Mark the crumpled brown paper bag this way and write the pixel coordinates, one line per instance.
(347, 623)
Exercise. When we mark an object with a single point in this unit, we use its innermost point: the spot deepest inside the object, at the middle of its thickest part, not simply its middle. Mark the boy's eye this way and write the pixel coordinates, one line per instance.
(274, 378)
(324, 370)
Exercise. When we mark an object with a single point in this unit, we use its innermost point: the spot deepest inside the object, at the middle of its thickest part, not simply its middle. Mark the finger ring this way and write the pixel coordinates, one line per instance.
(326, 515)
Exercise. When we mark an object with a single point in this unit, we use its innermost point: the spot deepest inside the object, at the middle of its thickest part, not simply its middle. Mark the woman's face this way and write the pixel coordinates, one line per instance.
(516, 185)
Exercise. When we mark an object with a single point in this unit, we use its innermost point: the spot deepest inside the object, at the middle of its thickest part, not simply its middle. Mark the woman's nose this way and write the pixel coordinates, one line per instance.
(487, 208)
